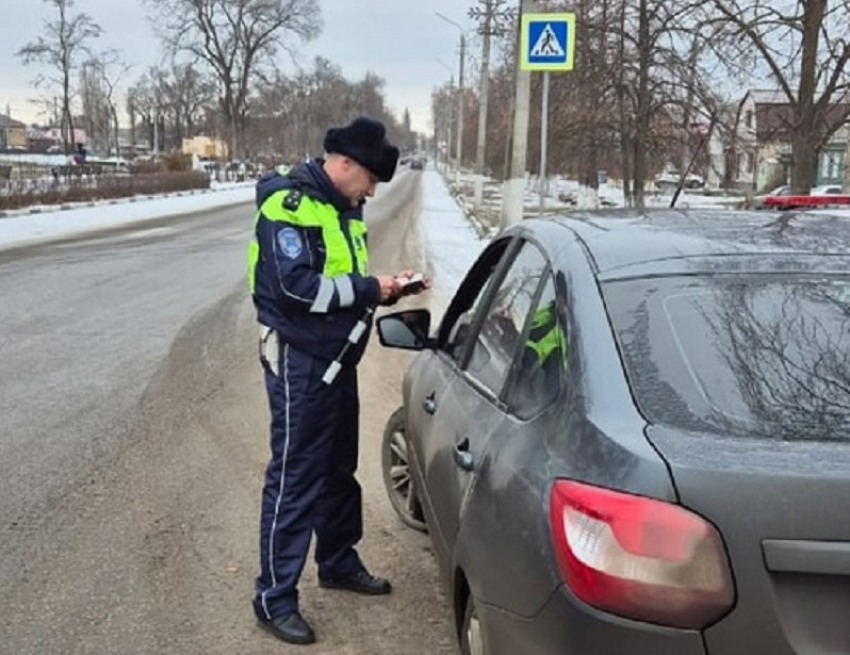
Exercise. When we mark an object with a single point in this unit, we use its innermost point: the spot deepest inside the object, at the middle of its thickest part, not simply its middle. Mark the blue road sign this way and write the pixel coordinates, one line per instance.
(548, 42)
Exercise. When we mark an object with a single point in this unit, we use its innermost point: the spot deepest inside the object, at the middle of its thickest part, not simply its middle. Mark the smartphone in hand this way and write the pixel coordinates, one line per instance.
(412, 284)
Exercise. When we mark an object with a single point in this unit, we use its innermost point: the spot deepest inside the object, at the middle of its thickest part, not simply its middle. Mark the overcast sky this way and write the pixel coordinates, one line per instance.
(400, 40)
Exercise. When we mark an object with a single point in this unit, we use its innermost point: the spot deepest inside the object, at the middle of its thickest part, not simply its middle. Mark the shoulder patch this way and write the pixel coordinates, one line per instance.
(292, 200)
(289, 241)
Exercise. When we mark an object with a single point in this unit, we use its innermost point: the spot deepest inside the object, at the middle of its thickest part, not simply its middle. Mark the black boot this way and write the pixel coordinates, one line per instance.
(292, 628)
(361, 582)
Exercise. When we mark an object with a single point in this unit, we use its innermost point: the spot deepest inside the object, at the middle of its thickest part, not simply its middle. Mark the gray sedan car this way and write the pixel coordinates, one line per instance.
(629, 434)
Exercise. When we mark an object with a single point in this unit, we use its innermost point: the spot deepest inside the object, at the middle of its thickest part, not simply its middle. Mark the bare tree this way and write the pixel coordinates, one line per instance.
(146, 97)
(109, 69)
(662, 75)
(64, 41)
(803, 47)
(443, 109)
(237, 39)
(642, 78)
(132, 107)
(186, 95)
(95, 117)
(291, 114)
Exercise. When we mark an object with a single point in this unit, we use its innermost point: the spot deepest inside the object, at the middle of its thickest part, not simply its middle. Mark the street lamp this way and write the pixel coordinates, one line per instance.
(461, 92)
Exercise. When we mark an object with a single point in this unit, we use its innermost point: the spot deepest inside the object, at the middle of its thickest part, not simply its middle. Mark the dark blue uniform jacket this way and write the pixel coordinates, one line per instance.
(308, 264)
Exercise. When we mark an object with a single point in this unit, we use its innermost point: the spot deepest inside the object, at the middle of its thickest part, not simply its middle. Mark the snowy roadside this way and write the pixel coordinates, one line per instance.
(38, 224)
(561, 196)
(215, 187)
(449, 238)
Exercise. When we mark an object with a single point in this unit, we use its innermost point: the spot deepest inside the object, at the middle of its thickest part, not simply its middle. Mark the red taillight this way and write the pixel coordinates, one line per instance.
(640, 558)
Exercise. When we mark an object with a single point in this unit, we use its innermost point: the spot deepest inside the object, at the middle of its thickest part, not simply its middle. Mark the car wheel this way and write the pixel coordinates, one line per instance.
(395, 462)
(471, 639)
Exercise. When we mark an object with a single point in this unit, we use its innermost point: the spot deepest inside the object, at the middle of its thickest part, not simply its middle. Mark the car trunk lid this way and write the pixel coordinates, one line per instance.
(782, 508)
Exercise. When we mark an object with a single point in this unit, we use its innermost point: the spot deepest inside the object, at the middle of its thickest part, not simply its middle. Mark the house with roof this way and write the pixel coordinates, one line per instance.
(13, 134)
(759, 155)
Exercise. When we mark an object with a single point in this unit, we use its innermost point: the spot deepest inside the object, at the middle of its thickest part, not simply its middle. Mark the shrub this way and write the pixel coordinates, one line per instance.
(59, 190)
(177, 162)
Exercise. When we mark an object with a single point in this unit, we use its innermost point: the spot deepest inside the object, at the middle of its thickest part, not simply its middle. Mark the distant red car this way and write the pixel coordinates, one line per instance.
(783, 198)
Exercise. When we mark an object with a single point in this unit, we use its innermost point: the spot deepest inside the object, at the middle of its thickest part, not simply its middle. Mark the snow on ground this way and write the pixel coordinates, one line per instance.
(563, 195)
(43, 223)
(35, 159)
(448, 237)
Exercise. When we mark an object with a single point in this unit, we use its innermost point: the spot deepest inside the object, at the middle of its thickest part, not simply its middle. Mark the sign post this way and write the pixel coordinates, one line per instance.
(547, 44)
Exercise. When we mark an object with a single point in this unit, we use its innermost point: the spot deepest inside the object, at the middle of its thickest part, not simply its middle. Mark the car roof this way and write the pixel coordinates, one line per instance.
(628, 243)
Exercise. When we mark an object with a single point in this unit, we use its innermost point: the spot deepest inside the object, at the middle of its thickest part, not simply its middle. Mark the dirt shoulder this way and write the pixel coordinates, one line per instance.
(159, 551)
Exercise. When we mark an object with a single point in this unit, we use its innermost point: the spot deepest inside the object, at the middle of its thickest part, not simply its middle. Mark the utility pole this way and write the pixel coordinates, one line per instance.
(461, 103)
(156, 135)
(449, 127)
(451, 123)
(460, 96)
(490, 17)
(544, 142)
(514, 187)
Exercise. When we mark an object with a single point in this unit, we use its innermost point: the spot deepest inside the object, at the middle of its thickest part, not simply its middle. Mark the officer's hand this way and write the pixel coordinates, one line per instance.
(419, 284)
(390, 289)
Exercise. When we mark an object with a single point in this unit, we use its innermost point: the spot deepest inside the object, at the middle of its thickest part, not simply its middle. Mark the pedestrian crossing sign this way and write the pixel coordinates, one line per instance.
(548, 42)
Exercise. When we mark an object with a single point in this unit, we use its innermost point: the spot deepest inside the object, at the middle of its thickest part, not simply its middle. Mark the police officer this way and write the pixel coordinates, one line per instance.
(308, 275)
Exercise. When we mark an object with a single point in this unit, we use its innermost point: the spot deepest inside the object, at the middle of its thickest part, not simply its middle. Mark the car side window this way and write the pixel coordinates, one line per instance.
(500, 334)
(459, 334)
(542, 362)
(456, 326)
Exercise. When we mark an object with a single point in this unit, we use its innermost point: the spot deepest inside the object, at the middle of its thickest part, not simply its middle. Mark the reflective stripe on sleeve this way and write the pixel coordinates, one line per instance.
(345, 289)
(323, 299)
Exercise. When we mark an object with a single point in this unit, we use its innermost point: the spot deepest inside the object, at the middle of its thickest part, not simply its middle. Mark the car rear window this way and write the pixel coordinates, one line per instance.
(762, 356)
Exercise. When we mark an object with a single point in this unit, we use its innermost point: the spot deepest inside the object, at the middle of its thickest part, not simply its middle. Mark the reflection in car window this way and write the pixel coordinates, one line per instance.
(461, 329)
(762, 357)
(457, 323)
(500, 333)
(538, 378)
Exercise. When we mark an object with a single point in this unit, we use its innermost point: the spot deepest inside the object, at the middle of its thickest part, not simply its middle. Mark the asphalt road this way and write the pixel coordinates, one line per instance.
(133, 441)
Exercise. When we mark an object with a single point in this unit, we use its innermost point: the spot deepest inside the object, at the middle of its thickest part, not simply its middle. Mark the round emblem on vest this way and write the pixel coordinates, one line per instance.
(290, 242)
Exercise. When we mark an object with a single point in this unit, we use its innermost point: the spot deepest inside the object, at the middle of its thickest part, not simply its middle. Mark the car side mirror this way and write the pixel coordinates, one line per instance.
(407, 329)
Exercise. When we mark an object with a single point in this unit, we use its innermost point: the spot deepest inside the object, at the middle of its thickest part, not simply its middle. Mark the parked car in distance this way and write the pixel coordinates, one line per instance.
(630, 433)
(783, 190)
(827, 190)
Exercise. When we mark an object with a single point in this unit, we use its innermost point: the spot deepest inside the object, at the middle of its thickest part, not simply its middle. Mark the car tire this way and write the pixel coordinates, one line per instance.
(395, 463)
(471, 638)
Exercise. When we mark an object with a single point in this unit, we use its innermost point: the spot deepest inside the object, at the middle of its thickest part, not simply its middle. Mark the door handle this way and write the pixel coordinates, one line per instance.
(430, 403)
(462, 456)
